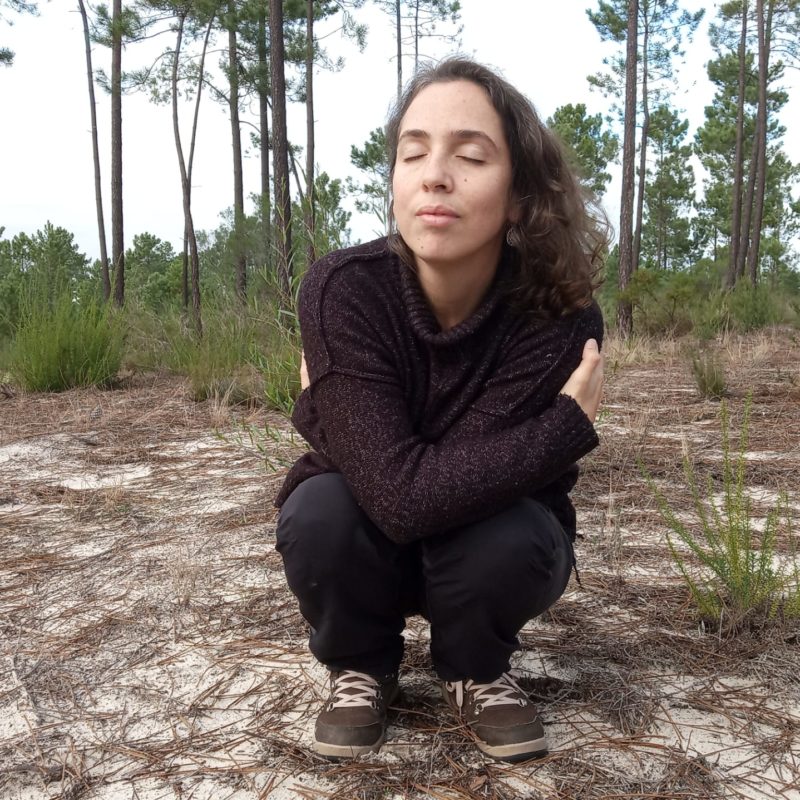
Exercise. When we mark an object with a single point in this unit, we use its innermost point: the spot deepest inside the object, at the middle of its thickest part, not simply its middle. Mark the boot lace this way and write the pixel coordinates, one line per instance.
(350, 689)
(504, 691)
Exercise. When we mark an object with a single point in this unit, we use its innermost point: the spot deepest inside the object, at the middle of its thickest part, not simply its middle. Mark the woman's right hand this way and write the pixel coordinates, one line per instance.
(303, 371)
(585, 385)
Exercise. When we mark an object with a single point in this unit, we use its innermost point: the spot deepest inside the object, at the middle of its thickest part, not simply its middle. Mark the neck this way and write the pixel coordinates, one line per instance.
(454, 292)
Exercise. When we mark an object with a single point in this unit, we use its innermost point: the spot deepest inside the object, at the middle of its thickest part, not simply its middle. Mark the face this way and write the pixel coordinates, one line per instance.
(452, 178)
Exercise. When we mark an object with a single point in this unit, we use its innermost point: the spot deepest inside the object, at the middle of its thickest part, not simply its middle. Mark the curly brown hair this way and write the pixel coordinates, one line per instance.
(558, 245)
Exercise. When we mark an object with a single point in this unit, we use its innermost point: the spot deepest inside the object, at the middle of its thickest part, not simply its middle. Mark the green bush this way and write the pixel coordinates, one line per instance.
(709, 374)
(65, 344)
(739, 578)
(753, 307)
(246, 355)
(218, 363)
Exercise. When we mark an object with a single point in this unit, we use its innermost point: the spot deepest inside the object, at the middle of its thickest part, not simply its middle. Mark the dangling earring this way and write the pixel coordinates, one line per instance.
(511, 237)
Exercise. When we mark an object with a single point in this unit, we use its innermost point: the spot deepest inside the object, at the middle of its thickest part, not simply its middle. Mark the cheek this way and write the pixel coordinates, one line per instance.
(398, 193)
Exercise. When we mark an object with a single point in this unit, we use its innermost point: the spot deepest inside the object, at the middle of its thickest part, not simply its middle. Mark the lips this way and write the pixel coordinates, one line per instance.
(437, 211)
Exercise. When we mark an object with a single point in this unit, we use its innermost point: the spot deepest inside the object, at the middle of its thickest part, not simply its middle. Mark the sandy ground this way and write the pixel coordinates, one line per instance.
(150, 649)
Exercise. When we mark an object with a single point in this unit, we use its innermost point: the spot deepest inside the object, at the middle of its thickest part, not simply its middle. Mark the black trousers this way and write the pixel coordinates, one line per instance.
(477, 585)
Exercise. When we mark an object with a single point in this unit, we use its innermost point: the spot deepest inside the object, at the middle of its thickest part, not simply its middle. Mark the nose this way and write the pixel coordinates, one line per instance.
(436, 175)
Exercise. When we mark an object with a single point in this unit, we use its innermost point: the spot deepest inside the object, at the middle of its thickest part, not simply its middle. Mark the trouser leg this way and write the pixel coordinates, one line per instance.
(484, 581)
(349, 578)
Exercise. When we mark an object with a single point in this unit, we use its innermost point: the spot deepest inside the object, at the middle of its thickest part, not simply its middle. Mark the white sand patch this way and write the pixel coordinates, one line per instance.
(192, 447)
(17, 716)
(764, 455)
(22, 452)
(88, 481)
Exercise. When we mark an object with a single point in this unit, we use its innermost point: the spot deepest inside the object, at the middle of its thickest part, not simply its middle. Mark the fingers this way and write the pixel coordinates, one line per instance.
(303, 372)
(585, 384)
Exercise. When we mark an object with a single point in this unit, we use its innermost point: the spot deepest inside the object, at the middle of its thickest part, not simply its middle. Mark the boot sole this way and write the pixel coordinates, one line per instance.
(520, 751)
(346, 751)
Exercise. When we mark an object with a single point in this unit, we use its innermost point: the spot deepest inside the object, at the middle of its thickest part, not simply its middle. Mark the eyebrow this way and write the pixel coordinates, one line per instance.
(463, 134)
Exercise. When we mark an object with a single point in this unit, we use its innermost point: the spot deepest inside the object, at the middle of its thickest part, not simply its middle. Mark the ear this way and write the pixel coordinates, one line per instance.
(514, 211)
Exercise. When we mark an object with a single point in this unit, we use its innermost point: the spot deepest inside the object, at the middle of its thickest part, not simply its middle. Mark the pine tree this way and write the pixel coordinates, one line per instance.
(589, 147)
(667, 241)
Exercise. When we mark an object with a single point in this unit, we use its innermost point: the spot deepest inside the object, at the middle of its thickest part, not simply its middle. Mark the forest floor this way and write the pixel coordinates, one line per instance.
(149, 647)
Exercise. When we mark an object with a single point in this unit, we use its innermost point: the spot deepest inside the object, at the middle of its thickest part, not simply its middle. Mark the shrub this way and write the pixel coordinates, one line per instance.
(739, 577)
(219, 363)
(246, 355)
(65, 344)
(279, 363)
(753, 307)
(709, 374)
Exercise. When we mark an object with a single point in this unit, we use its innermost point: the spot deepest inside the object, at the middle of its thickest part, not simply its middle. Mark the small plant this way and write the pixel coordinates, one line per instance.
(66, 344)
(279, 364)
(709, 374)
(739, 576)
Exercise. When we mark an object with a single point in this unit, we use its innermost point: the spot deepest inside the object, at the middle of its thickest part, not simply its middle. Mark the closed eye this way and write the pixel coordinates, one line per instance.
(472, 160)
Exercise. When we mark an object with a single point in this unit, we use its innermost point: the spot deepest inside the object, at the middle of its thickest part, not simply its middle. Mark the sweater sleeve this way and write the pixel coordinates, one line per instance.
(409, 487)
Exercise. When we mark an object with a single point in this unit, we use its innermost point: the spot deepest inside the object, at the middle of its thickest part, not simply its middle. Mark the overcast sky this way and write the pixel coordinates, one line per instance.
(545, 48)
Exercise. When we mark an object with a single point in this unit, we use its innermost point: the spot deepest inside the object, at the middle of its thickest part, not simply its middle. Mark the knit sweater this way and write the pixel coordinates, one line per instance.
(435, 429)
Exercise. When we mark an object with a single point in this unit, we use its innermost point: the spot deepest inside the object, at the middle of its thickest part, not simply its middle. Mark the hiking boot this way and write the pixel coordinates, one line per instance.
(500, 715)
(353, 720)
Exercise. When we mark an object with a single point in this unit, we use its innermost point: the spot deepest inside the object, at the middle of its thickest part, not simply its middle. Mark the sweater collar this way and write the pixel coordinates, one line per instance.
(423, 321)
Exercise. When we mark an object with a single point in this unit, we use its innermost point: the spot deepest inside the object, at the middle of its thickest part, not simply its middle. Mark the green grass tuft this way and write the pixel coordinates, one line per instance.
(709, 374)
(66, 344)
(739, 578)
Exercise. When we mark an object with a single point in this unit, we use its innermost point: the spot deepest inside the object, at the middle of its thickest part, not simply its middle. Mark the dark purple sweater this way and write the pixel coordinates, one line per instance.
(435, 429)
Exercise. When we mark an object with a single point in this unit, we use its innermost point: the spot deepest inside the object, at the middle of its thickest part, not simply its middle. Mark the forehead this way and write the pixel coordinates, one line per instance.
(453, 105)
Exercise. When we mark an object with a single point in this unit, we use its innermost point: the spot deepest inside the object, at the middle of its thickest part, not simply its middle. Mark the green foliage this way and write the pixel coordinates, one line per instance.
(715, 145)
(691, 301)
(666, 232)
(708, 373)
(738, 578)
(246, 355)
(65, 344)
(589, 146)
(751, 307)
(152, 273)
(279, 363)
(218, 364)
(667, 25)
(373, 193)
(46, 265)
(21, 7)
(331, 221)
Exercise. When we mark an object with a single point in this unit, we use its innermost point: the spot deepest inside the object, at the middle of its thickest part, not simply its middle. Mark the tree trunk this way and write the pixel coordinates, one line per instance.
(764, 36)
(185, 267)
(195, 261)
(748, 201)
(238, 173)
(624, 310)
(117, 238)
(637, 239)
(185, 183)
(738, 158)
(98, 190)
(310, 221)
(280, 151)
(263, 127)
(399, 50)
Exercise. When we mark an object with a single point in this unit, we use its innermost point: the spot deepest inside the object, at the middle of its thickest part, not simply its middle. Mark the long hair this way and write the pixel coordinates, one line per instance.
(558, 245)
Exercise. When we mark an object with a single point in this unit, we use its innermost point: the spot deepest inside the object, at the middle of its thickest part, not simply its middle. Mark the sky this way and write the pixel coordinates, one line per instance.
(545, 48)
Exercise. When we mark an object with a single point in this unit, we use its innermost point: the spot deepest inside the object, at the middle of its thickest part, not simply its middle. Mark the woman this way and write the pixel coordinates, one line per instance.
(454, 378)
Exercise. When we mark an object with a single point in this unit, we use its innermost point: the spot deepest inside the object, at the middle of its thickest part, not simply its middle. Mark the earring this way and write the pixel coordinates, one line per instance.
(511, 237)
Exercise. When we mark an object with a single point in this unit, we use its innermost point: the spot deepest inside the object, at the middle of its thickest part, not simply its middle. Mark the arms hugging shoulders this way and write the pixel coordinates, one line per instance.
(435, 429)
